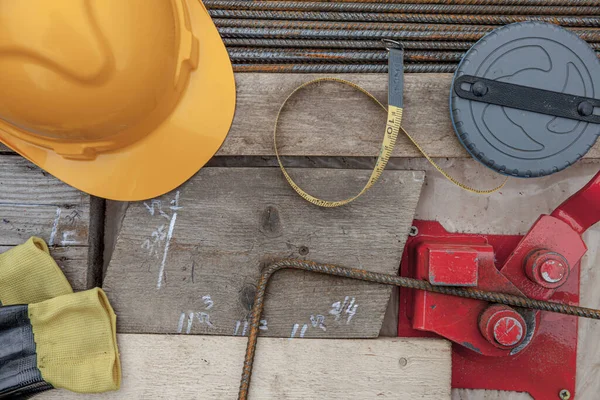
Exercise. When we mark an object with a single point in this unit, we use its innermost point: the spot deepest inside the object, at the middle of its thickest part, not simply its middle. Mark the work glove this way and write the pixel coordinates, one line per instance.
(28, 274)
(66, 342)
(50, 337)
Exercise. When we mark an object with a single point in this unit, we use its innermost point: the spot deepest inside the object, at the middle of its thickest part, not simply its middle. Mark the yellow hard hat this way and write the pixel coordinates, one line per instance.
(123, 99)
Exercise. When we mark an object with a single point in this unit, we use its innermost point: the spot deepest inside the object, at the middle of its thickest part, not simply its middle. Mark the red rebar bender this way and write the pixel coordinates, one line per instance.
(497, 347)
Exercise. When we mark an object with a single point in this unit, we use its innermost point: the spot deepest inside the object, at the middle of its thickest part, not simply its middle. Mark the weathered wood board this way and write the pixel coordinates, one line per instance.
(203, 367)
(33, 203)
(331, 119)
(189, 261)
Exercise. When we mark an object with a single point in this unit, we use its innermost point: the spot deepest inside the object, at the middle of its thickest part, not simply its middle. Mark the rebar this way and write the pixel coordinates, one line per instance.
(345, 34)
(385, 279)
(583, 21)
(487, 2)
(344, 44)
(591, 35)
(342, 68)
(333, 25)
(248, 55)
(399, 7)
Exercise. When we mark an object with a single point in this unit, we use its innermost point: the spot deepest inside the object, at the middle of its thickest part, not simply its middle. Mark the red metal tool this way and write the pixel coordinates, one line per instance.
(499, 347)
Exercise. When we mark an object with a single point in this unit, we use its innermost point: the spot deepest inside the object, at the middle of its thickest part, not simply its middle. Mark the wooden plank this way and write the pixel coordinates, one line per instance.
(24, 183)
(211, 237)
(34, 203)
(331, 119)
(203, 367)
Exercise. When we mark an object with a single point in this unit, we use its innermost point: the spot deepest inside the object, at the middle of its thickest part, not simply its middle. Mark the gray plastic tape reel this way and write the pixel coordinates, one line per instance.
(523, 143)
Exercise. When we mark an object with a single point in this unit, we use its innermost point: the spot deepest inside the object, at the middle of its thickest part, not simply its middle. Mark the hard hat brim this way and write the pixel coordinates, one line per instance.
(175, 150)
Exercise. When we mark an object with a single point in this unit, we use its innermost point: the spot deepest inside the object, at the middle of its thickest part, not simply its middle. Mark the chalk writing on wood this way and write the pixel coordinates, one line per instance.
(160, 239)
(242, 219)
(341, 312)
(241, 327)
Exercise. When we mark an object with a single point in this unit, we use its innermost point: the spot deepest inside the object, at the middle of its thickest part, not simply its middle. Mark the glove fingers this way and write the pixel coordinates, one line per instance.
(29, 275)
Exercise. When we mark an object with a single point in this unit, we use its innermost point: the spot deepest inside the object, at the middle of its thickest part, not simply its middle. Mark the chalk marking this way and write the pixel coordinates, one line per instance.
(294, 330)
(180, 324)
(175, 202)
(237, 328)
(348, 307)
(156, 205)
(54, 227)
(318, 321)
(263, 325)
(189, 324)
(161, 272)
(208, 302)
(303, 331)
(65, 239)
(204, 318)
(351, 310)
(245, 330)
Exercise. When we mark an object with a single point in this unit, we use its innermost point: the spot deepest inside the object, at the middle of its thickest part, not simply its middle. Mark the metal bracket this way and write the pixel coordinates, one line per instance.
(528, 98)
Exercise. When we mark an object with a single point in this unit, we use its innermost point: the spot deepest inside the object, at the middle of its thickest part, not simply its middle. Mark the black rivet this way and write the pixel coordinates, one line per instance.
(585, 108)
(479, 89)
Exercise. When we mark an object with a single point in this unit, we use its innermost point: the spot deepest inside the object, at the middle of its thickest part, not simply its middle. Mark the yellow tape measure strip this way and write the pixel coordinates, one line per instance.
(392, 129)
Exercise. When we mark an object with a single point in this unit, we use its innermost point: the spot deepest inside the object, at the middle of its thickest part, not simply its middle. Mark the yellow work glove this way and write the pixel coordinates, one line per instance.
(29, 275)
(66, 342)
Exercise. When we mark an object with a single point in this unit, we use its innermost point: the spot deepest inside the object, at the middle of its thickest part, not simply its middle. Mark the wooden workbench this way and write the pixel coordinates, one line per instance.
(242, 187)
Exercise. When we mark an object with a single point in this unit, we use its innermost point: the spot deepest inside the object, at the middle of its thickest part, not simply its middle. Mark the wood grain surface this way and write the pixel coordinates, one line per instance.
(33, 203)
(331, 119)
(203, 367)
(189, 261)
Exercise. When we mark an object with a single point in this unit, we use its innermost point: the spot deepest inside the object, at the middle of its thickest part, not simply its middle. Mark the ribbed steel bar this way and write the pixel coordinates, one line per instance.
(399, 8)
(249, 55)
(344, 44)
(320, 25)
(484, 2)
(591, 35)
(583, 21)
(385, 279)
(341, 68)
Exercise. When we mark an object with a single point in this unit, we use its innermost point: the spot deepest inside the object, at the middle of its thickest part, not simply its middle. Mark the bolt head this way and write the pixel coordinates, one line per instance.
(508, 331)
(585, 108)
(479, 89)
(547, 268)
(564, 394)
(553, 271)
(502, 326)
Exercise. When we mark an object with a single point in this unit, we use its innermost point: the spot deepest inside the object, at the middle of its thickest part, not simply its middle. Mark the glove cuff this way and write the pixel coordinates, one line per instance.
(75, 337)
(29, 275)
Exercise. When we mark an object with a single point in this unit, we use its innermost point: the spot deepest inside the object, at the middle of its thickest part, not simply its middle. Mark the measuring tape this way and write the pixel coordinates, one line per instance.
(392, 129)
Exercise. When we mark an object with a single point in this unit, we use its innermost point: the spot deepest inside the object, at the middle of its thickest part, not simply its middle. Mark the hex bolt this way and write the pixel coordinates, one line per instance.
(547, 268)
(508, 331)
(502, 326)
(552, 271)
